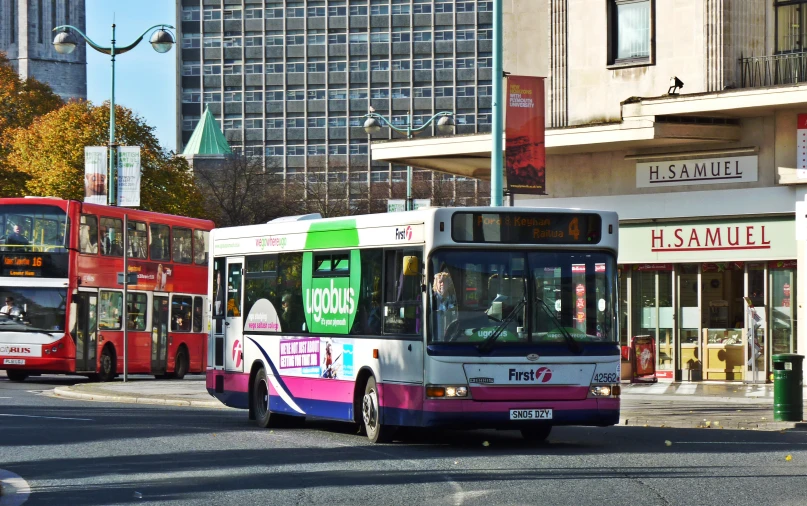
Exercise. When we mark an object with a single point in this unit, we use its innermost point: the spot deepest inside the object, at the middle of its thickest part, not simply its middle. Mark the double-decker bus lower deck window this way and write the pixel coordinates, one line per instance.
(110, 310)
(137, 305)
(522, 297)
(198, 314)
(181, 313)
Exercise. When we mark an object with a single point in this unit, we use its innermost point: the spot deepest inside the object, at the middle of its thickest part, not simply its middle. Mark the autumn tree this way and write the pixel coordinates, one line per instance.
(20, 102)
(50, 154)
(239, 190)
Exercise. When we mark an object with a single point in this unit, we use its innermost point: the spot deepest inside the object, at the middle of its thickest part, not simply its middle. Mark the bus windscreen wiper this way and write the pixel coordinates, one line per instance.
(502, 325)
(574, 346)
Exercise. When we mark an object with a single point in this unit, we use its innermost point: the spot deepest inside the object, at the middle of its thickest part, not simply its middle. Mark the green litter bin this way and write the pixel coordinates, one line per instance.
(788, 402)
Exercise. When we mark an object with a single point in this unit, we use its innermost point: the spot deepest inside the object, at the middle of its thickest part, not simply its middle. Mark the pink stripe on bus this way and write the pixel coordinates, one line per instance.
(233, 381)
(394, 395)
(516, 393)
(320, 389)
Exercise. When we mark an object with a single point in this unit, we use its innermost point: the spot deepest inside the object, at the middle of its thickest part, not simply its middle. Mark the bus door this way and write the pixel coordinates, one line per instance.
(159, 334)
(233, 319)
(84, 329)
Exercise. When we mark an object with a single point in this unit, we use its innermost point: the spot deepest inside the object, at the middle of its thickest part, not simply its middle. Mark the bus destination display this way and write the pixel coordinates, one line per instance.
(527, 228)
(33, 265)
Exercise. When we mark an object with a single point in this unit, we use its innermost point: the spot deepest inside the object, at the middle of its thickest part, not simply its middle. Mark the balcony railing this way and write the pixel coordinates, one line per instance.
(760, 71)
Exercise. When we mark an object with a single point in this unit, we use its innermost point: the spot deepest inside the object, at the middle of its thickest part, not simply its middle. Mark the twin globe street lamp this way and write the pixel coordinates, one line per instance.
(445, 126)
(65, 43)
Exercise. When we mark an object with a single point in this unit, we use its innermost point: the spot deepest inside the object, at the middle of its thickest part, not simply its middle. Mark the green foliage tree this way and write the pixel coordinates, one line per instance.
(50, 154)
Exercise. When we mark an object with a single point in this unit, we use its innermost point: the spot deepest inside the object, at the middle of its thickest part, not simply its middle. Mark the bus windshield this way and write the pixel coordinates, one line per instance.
(501, 297)
(32, 309)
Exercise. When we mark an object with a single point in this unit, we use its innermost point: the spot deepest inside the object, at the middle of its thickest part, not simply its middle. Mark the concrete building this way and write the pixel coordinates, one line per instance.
(26, 34)
(290, 81)
(704, 178)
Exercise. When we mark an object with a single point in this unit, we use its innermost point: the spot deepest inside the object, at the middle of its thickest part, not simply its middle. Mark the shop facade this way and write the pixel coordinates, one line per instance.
(688, 285)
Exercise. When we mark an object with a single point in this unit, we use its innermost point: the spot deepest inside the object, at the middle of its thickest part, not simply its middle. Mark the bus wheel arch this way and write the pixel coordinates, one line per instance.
(358, 394)
(107, 365)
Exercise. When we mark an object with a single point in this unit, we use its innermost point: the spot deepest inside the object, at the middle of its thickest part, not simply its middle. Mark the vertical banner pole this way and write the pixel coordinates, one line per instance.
(497, 120)
(125, 321)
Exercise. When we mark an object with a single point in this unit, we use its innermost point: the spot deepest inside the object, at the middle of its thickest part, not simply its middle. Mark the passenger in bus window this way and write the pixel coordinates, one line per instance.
(445, 302)
(290, 316)
(15, 238)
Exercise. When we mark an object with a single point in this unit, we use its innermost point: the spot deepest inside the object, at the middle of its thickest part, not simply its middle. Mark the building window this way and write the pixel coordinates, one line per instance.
(13, 17)
(791, 26)
(630, 31)
(191, 41)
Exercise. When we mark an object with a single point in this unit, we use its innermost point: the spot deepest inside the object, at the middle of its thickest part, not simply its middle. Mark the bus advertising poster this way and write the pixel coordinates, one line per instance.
(129, 176)
(152, 276)
(525, 149)
(644, 360)
(318, 357)
(95, 165)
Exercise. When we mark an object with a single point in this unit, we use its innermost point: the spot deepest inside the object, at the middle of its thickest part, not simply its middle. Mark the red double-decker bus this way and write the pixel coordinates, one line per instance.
(61, 286)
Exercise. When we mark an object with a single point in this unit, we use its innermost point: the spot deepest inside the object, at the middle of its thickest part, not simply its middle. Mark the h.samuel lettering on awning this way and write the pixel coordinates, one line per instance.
(734, 169)
(741, 240)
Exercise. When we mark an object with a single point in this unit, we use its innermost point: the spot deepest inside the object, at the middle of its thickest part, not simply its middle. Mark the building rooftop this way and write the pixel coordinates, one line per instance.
(207, 138)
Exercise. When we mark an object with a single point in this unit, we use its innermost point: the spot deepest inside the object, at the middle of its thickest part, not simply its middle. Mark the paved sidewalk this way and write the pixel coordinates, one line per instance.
(680, 405)
(188, 392)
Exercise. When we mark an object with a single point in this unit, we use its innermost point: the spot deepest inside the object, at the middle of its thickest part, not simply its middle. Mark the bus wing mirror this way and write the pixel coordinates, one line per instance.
(411, 266)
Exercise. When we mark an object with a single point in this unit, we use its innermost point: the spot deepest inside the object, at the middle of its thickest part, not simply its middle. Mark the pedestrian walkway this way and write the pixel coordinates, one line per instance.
(188, 392)
(713, 392)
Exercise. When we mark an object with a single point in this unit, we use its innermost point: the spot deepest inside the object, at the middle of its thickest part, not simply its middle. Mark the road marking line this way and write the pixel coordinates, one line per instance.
(687, 389)
(15, 490)
(658, 389)
(48, 417)
(735, 443)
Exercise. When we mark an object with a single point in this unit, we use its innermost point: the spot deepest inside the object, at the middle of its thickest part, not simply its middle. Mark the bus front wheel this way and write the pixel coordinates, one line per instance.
(537, 434)
(16, 375)
(371, 415)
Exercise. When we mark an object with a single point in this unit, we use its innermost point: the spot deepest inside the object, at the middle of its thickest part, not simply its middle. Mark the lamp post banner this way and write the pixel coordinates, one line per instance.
(95, 174)
(525, 148)
(129, 176)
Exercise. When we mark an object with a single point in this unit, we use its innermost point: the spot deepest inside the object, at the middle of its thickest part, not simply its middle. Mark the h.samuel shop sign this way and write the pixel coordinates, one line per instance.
(698, 241)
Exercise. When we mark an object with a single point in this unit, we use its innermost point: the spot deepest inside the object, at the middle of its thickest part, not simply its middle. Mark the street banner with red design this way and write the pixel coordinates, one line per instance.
(644, 359)
(525, 149)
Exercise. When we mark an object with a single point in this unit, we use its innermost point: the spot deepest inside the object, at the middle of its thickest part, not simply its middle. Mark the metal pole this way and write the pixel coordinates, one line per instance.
(409, 167)
(112, 180)
(497, 128)
(125, 294)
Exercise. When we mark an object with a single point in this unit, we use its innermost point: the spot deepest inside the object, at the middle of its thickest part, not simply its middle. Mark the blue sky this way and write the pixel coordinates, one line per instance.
(145, 80)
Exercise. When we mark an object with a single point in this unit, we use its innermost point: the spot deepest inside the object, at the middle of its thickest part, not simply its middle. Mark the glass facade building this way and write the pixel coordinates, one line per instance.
(291, 81)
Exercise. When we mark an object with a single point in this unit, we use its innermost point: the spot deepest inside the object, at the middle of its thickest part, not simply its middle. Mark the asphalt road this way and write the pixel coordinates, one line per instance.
(92, 453)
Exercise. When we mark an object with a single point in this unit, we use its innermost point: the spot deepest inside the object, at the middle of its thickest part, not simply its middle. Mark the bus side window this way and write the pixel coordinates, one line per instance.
(181, 313)
(88, 234)
(136, 307)
(201, 239)
(369, 309)
(111, 237)
(198, 313)
(138, 238)
(160, 245)
(110, 310)
(182, 245)
(402, 291)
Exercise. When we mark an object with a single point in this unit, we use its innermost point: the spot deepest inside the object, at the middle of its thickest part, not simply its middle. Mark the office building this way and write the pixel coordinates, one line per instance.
(291, 81)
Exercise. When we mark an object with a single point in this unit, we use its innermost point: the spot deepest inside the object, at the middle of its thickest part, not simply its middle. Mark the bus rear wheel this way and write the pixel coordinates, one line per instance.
(181, 365)
(537, 434)
(107, 367)
(260, 400)
(371, 415)
(16, 375)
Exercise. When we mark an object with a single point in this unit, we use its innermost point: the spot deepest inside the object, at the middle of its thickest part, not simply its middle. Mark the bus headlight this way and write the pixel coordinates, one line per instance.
(444, 392)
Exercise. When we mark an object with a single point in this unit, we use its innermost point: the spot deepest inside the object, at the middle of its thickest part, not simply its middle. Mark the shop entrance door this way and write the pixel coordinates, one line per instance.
(652, 294)
(688, 320)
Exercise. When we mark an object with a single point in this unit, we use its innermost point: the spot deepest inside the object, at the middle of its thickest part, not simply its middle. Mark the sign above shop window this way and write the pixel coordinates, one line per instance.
(714, 241)
(730, 169)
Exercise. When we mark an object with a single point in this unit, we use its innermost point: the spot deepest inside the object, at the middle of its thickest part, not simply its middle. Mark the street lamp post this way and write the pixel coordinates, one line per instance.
(497, 122)
(445, 125)
(65, 43)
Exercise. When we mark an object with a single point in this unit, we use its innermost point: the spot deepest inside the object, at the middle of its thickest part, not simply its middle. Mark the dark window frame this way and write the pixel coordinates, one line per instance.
(612, 34)
(776, 6)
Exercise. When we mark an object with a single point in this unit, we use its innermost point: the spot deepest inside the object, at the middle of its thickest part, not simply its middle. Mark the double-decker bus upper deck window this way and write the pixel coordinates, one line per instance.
(33, 241)
(111, 237)
(160, 246)
(201, 239)
(137, 239)
(88, 234)
(183, 239)
(527, 228)
(136, 307)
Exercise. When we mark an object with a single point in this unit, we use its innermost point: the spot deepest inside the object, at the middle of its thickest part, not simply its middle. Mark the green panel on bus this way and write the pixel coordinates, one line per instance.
(332, 234)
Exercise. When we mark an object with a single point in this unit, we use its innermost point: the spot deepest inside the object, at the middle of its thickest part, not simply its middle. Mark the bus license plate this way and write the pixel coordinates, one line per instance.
(14, 361)
(530, 414)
